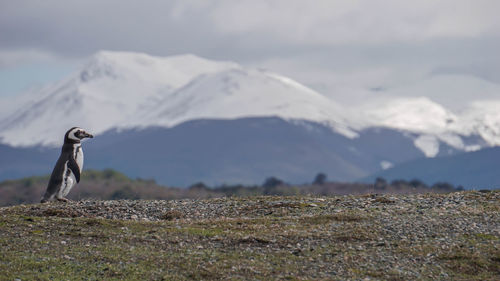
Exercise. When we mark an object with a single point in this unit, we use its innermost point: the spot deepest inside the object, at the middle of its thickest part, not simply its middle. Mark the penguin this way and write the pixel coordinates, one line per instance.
(68, 167)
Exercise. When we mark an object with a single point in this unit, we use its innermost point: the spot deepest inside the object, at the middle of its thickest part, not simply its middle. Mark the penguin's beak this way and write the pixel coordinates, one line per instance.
(86, 135)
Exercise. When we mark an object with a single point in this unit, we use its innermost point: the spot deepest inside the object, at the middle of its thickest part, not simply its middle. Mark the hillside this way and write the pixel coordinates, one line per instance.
(244, 150)
(453, 236)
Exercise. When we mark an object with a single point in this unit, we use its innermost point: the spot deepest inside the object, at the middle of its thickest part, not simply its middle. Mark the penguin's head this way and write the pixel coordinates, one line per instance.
(76, 134)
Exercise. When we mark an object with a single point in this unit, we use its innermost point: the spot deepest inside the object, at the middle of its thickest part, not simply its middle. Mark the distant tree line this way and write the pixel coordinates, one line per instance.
(112, 185)
(320, 186)
(382, 184)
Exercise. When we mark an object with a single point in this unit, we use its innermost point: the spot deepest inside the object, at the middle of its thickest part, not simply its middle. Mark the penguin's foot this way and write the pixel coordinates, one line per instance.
(62, 199)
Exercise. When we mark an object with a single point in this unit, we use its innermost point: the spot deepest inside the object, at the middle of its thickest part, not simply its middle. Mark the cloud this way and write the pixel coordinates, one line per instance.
(10, 58)
(333, 45)
(206, 27)
(333, 22)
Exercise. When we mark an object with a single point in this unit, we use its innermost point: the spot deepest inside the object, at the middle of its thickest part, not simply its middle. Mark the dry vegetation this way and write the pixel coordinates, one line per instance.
(453, 236)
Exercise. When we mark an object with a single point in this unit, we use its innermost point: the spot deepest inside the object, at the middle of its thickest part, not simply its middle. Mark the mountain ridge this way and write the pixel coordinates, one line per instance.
(124, 89)
(133, 93)
(113, 90)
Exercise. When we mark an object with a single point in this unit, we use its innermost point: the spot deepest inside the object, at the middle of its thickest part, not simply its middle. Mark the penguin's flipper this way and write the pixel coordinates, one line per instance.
(74, 168)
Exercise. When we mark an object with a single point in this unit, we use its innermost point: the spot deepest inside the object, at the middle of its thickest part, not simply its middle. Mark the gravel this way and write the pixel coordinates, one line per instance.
(369, 237)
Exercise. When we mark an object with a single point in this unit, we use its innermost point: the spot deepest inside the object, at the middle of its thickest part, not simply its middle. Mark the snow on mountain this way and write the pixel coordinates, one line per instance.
(238, 93)
(122, 90)
(432, 123)
(453, 91)
(111, 88)
(420, 115)
(450, 108)
(170, 72)
(483, 118)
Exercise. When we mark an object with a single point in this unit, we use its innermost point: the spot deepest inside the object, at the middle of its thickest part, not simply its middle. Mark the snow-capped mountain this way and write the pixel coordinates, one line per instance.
(111, 88)
(462, 111)
(454, 91)
(430, 121)
(254, 123)
(238, 93)
(411, 114)
(123, 90)
(469, 129)
(483, 119)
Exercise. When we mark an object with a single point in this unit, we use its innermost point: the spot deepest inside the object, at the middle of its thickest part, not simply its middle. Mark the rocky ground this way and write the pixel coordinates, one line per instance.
(453, 236)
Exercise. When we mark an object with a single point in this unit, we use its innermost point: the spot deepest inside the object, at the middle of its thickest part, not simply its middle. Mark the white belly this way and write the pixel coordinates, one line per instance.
(68, 182)
(79, 156)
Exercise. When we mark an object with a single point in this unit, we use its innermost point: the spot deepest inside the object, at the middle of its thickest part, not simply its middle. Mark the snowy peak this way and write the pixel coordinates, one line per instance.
(430, 122)
(240, 92)
(175, 71)
(109, 89)
(445, 88)
(122, 90)
(483, 118)
(476, 126)
(416, 114)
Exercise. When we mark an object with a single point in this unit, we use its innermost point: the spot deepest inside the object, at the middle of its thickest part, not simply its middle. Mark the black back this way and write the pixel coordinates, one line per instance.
(57, 176)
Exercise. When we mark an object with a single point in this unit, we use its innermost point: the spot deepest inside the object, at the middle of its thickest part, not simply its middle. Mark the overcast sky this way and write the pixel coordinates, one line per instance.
(346, 49)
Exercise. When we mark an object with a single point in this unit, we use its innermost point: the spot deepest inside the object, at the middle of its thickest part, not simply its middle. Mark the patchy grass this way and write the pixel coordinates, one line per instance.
(477, 257)
(384, 200)
(470, 264)
(171, 215)
(270, 238)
